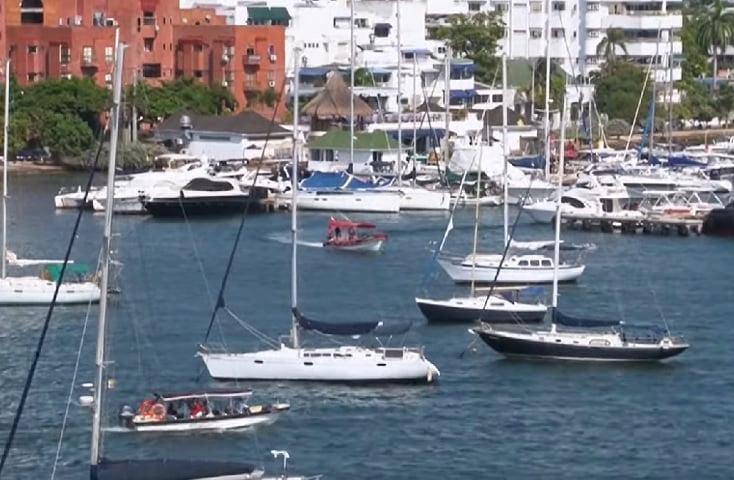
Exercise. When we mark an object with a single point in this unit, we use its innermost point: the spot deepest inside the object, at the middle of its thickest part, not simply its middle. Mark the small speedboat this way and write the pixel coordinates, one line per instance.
(351, 236)
(197, 411)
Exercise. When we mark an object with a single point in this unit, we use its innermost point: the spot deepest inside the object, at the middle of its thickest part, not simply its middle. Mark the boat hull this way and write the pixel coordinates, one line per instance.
(174, 207)
(37, 291)
(467, 310)
(208, 424)
(719, 222)
(369, 245)
(509, 275)
(349, 201)
(123, 205)
(341, 365)
(580, 347)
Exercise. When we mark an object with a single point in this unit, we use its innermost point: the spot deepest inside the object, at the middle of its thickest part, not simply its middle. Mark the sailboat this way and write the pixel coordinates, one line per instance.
(28, 290)
(498, 308)
(518, 268)
(330, 364)
(153, 469)
(571, 338)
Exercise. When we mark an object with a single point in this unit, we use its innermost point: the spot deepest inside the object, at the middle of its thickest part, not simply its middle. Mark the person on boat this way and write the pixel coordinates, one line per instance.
(197, 410)
(352, 234)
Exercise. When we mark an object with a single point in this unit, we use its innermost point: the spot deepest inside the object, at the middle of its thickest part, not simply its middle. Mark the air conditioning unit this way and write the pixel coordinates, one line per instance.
(110, 22)
(273, 57)
(271, 83)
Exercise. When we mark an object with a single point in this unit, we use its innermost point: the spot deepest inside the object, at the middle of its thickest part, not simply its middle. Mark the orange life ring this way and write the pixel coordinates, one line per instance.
(145, 406)
(158, 411)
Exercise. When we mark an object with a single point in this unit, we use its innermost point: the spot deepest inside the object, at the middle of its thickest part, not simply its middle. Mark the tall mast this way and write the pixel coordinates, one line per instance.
(6, 124)
(546, 97)
(294, 190)
(415, 124)
(447, 103)
(107, 237)
(476, 216)
(399, 163)
(351, 84)
(559, 194)
(505, 154)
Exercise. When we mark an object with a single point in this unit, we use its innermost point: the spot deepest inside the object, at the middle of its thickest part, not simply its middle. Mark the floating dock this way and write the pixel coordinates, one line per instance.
(650, 224)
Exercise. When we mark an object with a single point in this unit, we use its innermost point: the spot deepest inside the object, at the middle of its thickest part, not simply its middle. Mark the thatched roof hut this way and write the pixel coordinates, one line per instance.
(333, 102)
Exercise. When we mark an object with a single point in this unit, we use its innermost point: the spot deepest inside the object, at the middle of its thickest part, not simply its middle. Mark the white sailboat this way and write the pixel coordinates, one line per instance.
(28, 290)
(578, 339)
(345, 363)
(518, 268)
(148, 469)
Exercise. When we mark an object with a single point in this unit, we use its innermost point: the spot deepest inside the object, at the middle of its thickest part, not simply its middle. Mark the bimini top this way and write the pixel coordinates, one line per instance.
(568, 321)
(169, 470)
(52, 271)
(351, 328)
(346, 223)
(218, 393)
(202, 184)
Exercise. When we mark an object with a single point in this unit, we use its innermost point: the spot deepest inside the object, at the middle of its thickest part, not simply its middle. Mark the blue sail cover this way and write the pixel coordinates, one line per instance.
(676, 161)
(567, 321)
(351, 328)
(535, 161)
(167, 470)
(334, 181)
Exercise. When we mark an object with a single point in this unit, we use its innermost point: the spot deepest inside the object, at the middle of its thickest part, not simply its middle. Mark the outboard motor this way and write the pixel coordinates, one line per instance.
(126, 416)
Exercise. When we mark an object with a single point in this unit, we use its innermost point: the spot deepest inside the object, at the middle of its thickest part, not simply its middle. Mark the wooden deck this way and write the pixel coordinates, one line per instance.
(651, 224)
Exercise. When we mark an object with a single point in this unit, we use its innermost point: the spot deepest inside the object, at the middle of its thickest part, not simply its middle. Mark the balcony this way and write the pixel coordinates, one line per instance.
(148, 26)
(88, 60)
(251, 59)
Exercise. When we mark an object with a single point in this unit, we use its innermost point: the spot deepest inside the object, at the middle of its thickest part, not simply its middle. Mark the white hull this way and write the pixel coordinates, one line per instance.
(121, 205)
(339, 364)
(415, 198)
(350, 201)
(212, 424)
(545, 212)
(486, 201)
(461, 272)
(37, 291)
(366, 246)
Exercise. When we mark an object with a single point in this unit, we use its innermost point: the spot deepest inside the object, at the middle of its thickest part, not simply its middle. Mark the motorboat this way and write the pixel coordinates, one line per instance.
(352, 236)
(343, 192)
(583, 202)
(199, 411)
(719, 222)
(201, 196)
(520, 269)
(498, 308)
(74, 197)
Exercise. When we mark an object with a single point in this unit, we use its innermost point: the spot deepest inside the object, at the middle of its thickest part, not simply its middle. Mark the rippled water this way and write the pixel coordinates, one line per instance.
(486, 418)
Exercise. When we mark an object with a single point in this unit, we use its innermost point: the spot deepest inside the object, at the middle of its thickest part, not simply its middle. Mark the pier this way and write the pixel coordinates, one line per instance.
(658, 224)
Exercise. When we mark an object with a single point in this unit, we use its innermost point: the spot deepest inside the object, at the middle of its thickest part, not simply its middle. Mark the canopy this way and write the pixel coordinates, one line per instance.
(168, 470)
(54, 270)
(351, 328)
(221, 393)
(567, 321)
(334, 180)
(337, 223)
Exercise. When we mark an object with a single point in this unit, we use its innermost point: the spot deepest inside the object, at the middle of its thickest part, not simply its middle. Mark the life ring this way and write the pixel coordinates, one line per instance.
(158, 411)
(145, 407)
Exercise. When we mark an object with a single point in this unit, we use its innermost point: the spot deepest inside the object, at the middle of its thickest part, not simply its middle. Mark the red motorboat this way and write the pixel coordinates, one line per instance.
(353, 236)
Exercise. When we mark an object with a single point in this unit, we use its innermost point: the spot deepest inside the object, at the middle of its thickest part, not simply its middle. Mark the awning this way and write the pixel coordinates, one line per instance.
(314, 71)
(462, 66)
(267, 15)
(379, 71)
(416, 50)
(462, 93)
(383, 25)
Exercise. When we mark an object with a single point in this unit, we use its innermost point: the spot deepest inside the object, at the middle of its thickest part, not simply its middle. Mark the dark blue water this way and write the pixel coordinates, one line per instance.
(486, 418)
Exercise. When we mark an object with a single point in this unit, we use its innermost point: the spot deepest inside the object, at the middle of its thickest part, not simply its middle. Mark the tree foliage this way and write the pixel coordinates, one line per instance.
(557, 85)
(618, 91)
(714, 30)
(617, 127)
(362, 78)
(613, 42)
(154, 103)
(476, 37)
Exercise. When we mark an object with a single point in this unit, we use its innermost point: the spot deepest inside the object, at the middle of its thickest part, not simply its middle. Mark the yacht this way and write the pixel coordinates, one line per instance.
(520, 269)
(201, 196)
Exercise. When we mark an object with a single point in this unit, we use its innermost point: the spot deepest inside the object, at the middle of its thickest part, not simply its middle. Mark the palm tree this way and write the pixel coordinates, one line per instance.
(609, 45)
(715, 30)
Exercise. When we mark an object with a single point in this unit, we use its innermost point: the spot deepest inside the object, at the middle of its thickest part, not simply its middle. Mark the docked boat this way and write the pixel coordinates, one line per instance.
(201, 196)
(342, 192)
(75, 197)
(719, 222)
(351, 236)
(199, 411)
(498, 308)
(577, 339)
(419, 198)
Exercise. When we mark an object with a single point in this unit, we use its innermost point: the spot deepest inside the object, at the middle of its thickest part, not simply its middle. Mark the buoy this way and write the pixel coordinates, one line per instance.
(86, 400)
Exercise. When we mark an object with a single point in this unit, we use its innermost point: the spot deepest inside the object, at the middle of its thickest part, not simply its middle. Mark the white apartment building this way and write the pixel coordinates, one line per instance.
(577, 27)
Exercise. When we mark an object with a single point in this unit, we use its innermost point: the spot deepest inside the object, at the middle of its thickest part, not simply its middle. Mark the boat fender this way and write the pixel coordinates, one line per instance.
(429, 375)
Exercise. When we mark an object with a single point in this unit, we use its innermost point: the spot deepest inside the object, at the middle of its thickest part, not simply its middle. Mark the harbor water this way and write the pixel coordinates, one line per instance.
(486, 418)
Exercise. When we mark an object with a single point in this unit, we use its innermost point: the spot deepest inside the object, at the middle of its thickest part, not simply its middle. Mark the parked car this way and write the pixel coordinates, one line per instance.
(31, 155)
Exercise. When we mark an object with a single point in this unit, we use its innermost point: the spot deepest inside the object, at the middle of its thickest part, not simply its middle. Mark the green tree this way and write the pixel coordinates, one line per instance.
(269, 97)
(618, 91)
(695, 58)
(613, 41)
(476, 37)
(617, 127)
(696, 104)
(714, 30)
(723, 103)
(362, 78)
(557, 85)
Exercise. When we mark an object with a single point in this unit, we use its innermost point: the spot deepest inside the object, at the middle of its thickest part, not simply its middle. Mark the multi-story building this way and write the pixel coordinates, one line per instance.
(577, 27)
(61, 38)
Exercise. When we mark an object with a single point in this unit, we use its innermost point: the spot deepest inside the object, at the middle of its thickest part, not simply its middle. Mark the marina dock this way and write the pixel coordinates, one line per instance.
(658, 224)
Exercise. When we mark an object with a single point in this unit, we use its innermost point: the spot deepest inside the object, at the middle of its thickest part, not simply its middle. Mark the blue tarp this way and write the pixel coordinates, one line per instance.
(675, 161)
(536, 161)
(568, 321)
(333, 181)
(462, 93)
(464, 66)
(314, 71)
(416, 50)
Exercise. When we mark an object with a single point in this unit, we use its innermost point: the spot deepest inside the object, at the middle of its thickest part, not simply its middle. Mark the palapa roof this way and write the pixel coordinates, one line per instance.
(334, 101)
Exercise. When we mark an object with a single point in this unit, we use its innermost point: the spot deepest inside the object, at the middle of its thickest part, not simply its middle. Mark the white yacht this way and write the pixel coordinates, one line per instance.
(521, 269)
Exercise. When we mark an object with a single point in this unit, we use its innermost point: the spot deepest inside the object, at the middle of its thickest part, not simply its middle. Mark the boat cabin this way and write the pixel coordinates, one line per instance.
(346, 230)
(74, 273)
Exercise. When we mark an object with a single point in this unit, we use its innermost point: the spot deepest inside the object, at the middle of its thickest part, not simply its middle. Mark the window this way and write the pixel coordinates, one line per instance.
(108, 78)
(151, 70)
(87, 55)
(271, 50)
(382, 30)
(592, 33)
(536, 6)
(250, 51)
(199, 47)
(497, 98)
(229, 50)
(557, 33)
(500, 7)
(148, 18)
(249, 80)
(475, 7)
(148, 44)
(108, 54)
(64, 55)
(558, 6)
(271, 76)
(536, 33)
(34, 76)
(522, 263)
(228, 76)
(198, 73)
(32, 49)
(592, 7)
(534, 263)
(546, 263)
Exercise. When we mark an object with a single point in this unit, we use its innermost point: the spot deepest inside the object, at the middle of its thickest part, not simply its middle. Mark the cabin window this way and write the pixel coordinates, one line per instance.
(308, 364)
(523, 263)
(546, 263)
(534, 263)
(574, 202)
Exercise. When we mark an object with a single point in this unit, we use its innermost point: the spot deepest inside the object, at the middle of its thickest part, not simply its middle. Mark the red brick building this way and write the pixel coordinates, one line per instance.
(58, 38)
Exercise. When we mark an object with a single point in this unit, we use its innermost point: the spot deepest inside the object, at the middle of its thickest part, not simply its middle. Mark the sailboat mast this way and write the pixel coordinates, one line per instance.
(476, 216)
(447, 104)
(546, 96)
(6, 125)
(399, 163)
(351, 84)
(415, 125)
(294, 191)
(559, 194)
(505, 153)
(107, 237)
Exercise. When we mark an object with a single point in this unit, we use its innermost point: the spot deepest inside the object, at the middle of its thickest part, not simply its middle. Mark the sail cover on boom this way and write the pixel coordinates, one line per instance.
(349, 328)
(568, 321)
